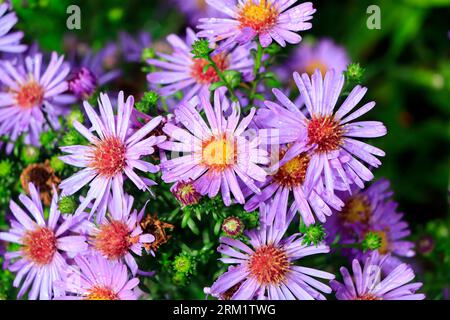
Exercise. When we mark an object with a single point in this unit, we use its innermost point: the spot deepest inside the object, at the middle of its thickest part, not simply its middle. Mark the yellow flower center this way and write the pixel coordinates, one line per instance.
(293, 172)
(356, 210)
(314, 65)
(201, 4)
(258, 16)
(219, 153)
(101, 293)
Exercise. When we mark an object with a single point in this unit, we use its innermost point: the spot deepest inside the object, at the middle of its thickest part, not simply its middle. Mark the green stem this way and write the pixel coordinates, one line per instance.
(256, 68)
(222, 78)
(258, 59)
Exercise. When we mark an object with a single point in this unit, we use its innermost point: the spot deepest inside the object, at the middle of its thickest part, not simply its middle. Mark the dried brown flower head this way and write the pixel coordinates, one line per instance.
(43, 177)
(151, 224)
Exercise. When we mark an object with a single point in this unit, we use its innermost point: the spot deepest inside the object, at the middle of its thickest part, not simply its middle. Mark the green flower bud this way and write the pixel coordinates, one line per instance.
(29, 154)
(313, 234)
(179, 279)
(72, 138)
(184, 264)
(57, 164)
(201, 49)
(47, 138)
(147, 53)
(148, 102)
(372, 241)
(233, 78)
(75, 115)
(115, 14)
(67, 205)
(354, 73)
(5, 168)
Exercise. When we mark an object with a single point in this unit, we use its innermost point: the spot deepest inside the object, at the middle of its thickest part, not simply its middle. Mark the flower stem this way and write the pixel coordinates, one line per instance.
(234, 98)
(256, 68)
(258, 59)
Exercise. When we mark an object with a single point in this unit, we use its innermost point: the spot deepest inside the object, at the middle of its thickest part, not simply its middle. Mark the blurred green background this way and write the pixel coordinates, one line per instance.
(407, 72)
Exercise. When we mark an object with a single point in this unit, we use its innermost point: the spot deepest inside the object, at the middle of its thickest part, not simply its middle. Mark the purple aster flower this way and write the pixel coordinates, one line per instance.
(9, 42)
(44, 244)
(215, 155)
(112, 153)
(132, 47)
(182, 72)
(323, 55)
(28, 91)
(325, 134)
(89, 72)
(119, 234)
(268, 19)
(287, 181)
(196, 9)
(372, 211)
(95, 278)
(266, 269)
(369, 282)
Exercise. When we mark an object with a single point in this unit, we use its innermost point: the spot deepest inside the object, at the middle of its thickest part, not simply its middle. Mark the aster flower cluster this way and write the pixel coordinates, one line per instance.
(211, 153)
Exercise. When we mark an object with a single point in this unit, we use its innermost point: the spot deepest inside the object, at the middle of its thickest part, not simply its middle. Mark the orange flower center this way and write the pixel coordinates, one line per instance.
(109, 157)
(314, 65)
(259, 15)
(40, 245)
(326, 133)
(201, 4)
(356, 210)
(101, 293)
(209, 75)
(293, 172)
(219, 153)
(368, 296)
(113, 240)
(29, 95)
(269, 265)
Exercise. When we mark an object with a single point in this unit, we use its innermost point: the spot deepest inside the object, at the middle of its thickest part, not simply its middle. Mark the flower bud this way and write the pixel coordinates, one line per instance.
(232, 226)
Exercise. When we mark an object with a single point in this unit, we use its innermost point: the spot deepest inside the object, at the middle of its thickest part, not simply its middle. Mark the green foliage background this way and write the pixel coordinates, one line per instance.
(408, 75)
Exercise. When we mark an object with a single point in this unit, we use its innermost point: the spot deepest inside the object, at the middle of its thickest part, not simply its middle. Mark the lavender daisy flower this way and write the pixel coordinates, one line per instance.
(194, 10)
(111, 154)
(96, 278)
(214, 153)
(132, 47)
(369, 283)
(323, 55)
(268, 19)
(9, 42)
(265, 269)
(27, 92)
(182, 72)
(44, 245)
(89, 73)
(326, 135)
(119, 234)
(287, 181)
(372, 211)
